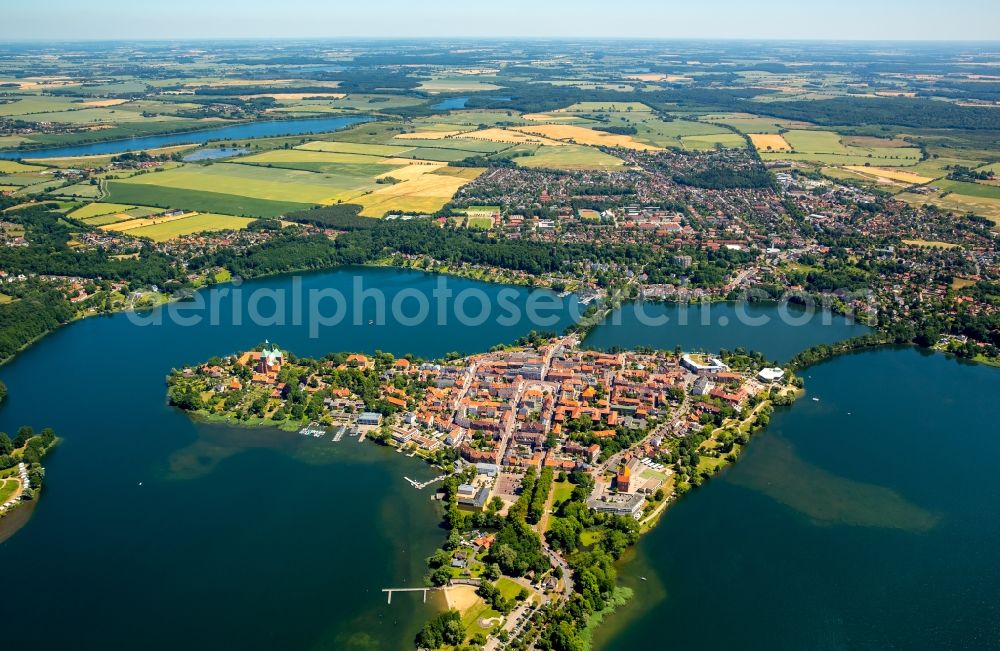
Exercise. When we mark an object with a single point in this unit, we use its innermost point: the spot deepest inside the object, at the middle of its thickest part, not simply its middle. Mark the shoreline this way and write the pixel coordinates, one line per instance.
(224, 124)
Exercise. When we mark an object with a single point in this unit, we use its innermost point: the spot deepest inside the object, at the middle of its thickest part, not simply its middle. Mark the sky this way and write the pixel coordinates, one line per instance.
(722, 19)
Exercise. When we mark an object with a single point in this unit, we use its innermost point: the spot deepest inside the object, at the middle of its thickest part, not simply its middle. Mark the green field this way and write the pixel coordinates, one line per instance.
(30, 104)
(366, 149)
(320, 161)
(213, 202)
(959, 203)
(272, 184)
(13, 167)
(570, 157)
(826, 147)
(727, 139)
(202, 222)
(978, 190)
(466, 119)
(97, 209)
(103, 220)
(746, 123)
(607, 107)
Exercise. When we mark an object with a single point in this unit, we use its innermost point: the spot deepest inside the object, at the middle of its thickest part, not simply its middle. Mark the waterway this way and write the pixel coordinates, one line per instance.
(863, 520)
(262, 129)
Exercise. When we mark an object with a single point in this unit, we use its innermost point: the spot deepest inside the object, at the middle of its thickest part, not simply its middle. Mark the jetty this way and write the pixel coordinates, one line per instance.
(313, 429)
(422, 485)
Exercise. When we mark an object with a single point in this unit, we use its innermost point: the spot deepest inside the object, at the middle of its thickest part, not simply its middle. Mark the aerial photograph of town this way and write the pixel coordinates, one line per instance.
(556, 326)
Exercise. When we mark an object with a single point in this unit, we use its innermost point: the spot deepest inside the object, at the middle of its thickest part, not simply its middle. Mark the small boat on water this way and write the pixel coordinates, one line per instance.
(643, 578)
(815, 399)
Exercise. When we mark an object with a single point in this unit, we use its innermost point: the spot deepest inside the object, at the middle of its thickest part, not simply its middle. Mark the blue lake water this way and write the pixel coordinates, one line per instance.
(236, 131)
(777, 331)
(865, 520)
(212, 153)
(861, 521)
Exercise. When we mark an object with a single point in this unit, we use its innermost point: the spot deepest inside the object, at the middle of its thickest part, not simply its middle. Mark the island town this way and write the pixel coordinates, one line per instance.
(521, 434)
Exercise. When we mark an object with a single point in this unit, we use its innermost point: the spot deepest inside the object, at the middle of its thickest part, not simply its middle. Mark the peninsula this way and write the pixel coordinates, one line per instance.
(554, 459)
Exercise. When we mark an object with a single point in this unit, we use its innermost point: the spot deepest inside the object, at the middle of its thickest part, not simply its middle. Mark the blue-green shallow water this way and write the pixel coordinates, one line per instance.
(247, 539)
(779, 332)
(867, 520)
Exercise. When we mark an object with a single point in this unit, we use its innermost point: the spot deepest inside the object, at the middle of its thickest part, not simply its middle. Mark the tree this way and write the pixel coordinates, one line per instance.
(440, 577)
(23, 434)
(445, 628)
(6, 445)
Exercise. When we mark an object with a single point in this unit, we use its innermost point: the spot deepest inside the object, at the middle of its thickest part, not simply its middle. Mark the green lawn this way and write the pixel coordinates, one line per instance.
(592, 536)
(507, 587)
(561, 491)
(7, 488)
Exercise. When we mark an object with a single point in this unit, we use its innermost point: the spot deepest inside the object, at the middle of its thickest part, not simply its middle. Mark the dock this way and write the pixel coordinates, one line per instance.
(339, 434)
(389, 592)
(313, 429)
(422, 485)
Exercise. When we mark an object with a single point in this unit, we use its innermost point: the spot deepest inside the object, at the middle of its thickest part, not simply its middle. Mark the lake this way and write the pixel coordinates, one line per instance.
(865, 520)
(172, 534)
(777, 331)
(262, 129)
(158, 531)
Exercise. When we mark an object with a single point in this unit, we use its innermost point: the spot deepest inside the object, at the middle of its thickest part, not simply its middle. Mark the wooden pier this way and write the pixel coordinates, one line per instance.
(389, 592)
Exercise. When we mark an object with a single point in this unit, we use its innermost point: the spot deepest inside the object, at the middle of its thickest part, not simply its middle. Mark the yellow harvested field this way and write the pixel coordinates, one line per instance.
(148, 221)
(507, 135)
(420, 191)
(468, 173)
(889, 174)
(930, 244)
(413, 168)
(585, 136)
(770, 142)
(103, 103)
(428, 135)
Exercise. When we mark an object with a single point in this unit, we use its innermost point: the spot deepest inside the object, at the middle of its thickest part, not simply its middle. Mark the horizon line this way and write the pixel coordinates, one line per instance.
(613, 38)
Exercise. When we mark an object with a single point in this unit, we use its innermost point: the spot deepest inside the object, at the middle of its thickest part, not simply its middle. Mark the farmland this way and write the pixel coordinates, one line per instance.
(169, 228)
(827, 147)
(769, 142)
(890, 174)
(571, 157)
(165, 197)
(584, 136)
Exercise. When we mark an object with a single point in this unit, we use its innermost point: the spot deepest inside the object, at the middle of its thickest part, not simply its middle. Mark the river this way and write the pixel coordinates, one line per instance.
(261, 129)
(160, 532)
